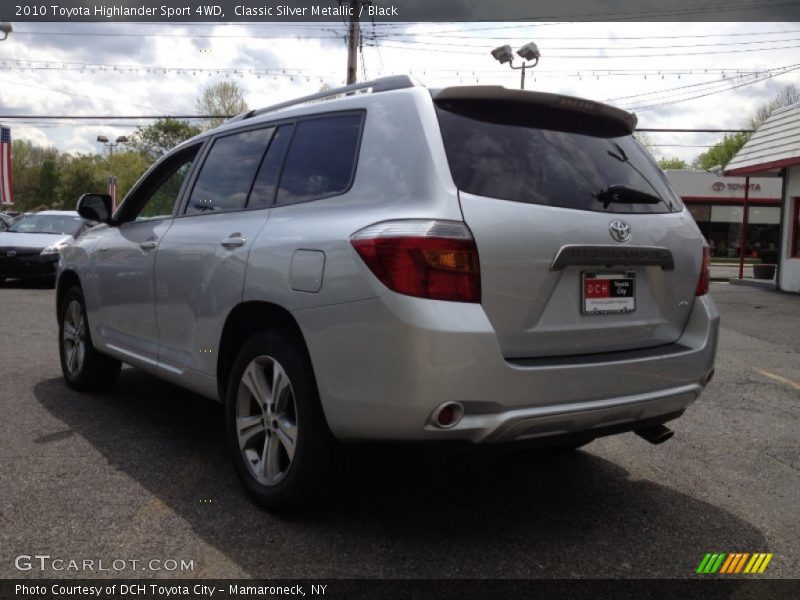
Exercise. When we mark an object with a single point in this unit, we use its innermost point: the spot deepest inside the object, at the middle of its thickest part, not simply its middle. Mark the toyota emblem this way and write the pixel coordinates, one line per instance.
(620, 231)
(11, 254)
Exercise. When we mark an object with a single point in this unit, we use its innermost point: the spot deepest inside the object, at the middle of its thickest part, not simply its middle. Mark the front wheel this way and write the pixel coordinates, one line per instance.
(277, 433)
(84, 368)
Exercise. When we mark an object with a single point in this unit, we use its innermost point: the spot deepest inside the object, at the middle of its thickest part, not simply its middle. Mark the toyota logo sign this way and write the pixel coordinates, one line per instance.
(620, 231)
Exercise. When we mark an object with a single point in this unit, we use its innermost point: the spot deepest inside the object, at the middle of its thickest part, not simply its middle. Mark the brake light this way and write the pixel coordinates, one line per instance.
(705, 273)
(423, 258)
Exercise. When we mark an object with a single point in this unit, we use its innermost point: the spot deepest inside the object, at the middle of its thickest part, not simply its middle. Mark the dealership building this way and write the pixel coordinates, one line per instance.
(717, 205)
(774, 150)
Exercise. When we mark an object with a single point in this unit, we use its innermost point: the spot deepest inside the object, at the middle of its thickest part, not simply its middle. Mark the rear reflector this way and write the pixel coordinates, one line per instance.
(705, 273)
(423, 258)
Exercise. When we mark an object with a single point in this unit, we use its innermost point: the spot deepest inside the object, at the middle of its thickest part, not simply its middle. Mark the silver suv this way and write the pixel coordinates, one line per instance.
(389, 262)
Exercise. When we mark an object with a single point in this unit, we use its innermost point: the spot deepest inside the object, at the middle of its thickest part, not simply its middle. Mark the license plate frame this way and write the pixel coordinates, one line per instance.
(614, 292)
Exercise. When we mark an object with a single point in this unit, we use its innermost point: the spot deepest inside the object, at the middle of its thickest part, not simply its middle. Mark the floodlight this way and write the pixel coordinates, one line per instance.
(529, 51)
(503, 54)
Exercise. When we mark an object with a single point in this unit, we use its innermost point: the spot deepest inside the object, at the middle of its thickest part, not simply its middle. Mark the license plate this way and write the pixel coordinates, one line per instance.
(608, 293)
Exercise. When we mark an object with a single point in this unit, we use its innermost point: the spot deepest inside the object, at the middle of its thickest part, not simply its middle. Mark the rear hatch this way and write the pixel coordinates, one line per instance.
(584, 247)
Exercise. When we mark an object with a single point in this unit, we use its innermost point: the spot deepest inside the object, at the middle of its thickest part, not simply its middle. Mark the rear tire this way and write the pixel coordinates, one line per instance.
(278, 437)
(84, 368)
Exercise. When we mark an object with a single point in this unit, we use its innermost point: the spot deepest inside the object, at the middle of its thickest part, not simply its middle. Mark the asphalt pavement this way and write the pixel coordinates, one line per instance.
(141, 473)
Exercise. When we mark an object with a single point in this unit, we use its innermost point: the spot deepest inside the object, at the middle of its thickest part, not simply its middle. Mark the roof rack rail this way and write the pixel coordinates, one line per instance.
(384, 84)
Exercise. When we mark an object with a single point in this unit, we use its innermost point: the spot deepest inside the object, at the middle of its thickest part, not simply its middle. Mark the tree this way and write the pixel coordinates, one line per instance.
(722, 152)
(128, 168)
(223, 100)
(157, 139)
(787, 96)
(82, 173)
(646, 141)
(672, 162)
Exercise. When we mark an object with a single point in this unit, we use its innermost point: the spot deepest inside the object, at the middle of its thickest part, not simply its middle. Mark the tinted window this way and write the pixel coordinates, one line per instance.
(544, 166)
(263, 193)
(321, 160)
(163, 198)
(228, 171)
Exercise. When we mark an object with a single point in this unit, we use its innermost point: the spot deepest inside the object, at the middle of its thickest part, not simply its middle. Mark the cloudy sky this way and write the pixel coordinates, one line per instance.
(677, 75)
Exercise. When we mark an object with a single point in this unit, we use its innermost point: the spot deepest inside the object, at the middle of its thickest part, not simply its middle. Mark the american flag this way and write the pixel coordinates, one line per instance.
(6, 190)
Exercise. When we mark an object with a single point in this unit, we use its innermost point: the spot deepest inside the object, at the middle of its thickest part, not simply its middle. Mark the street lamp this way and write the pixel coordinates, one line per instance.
(112, 181)
(5, 29)
(529, 52)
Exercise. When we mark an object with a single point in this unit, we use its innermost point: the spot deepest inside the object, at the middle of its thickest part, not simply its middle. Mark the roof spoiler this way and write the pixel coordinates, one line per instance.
(519, 107)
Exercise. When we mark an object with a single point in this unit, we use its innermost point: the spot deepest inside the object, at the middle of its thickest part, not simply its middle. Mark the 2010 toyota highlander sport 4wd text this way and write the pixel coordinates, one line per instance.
(397, 263)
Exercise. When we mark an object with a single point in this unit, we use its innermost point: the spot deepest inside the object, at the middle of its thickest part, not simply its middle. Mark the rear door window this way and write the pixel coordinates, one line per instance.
(266, 183)
(536, 165)
(226, 177)
(322, 158)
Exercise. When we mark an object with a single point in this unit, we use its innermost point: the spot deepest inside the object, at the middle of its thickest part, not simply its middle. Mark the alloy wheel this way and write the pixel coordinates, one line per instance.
(266, 420)
(74, 338)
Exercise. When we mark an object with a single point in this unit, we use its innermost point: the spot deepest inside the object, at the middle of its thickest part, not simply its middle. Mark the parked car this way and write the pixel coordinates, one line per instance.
(29, 247)
(465, 264)
(5, 221)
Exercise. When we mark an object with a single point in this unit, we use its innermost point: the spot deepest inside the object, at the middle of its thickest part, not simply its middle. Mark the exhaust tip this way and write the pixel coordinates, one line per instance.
(655, 435)
(447, 415)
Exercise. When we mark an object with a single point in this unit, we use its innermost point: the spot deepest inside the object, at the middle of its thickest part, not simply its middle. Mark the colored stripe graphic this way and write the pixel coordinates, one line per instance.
(727, 564)
(711, 562)
(734, 563)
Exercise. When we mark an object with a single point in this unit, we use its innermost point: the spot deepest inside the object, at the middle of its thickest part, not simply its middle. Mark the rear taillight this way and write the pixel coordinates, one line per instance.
(705, 273)
(424, 258)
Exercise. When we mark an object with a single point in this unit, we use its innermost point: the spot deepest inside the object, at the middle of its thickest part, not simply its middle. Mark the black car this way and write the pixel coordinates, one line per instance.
(29, 247)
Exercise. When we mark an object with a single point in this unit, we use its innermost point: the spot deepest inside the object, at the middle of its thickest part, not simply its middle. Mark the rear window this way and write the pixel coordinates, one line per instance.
(538, 165)
(321, 160)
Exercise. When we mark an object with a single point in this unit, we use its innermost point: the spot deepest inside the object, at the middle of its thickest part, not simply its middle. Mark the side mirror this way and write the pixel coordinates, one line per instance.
(95, 207)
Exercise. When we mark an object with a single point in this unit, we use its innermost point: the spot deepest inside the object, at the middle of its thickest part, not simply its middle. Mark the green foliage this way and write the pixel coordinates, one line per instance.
(82, 173)
(45, 177)
(223, 100)
(722, 152)
(157, 139)
(672, 162)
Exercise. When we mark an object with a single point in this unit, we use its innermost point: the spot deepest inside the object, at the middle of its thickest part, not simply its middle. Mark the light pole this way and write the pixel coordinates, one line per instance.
(112, 181)
(529, 52)
(5, 29)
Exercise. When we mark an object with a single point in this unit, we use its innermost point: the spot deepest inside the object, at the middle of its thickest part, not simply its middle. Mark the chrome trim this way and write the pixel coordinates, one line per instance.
(607, 255)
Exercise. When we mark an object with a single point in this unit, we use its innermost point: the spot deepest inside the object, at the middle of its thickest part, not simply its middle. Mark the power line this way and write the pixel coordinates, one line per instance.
(733, 87)
(605, 48)
(597, 56)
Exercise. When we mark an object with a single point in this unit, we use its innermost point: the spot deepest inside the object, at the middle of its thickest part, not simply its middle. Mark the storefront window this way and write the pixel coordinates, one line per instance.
(724, 230)
(796, 227)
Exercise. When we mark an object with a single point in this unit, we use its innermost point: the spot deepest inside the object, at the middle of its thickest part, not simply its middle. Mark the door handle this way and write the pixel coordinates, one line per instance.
(149, 245)
(235, 241)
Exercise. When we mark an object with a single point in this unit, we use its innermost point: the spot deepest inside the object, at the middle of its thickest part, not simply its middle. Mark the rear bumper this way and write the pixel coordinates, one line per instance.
(384, 365)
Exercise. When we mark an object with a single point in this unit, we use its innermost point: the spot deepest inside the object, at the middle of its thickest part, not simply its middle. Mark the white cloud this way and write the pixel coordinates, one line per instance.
(440, 54)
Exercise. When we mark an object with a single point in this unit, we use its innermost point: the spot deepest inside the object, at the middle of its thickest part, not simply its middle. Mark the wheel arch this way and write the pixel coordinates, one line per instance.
(66, 280)
(242, 322)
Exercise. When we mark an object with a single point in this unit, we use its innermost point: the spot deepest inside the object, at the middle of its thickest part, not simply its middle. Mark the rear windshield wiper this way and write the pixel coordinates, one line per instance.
(622, 194)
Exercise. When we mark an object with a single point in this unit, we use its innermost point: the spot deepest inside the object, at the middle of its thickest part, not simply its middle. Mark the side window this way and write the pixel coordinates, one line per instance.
(155, 196)
(163, 198)
(263, 193)
(227, 174)
(321, 160)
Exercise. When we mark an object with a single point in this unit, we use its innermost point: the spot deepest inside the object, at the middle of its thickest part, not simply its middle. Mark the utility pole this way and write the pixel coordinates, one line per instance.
(353, 35)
